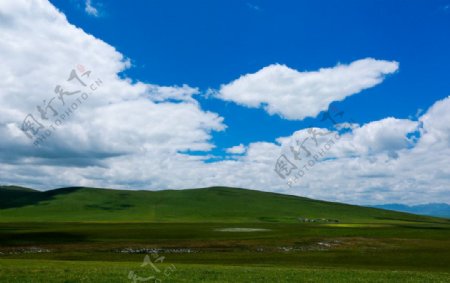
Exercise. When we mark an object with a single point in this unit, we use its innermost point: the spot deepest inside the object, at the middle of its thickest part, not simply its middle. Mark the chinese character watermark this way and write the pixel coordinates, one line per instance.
(54, 112)
(157, 274)
(306, 153)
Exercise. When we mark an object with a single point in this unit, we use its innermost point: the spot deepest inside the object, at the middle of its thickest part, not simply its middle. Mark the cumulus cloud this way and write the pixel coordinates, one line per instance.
(381, 161)
(388, 135)
(296, 95)
(436, 125)
(238, 149)
(120, 118)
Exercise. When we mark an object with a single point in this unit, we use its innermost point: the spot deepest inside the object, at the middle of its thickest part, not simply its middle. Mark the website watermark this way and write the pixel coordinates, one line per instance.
(57, 110)
(307, 152)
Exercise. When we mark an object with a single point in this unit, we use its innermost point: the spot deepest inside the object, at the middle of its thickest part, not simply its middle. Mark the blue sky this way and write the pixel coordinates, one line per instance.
(209, 43)
(203, 93)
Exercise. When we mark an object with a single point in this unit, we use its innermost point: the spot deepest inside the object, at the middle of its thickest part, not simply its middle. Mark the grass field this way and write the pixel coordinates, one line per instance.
(99, 272)
(217, 204)
(235, 235)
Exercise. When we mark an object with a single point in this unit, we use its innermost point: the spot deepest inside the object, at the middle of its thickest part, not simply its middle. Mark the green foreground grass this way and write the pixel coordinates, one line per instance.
(36, 271)
(202, 252)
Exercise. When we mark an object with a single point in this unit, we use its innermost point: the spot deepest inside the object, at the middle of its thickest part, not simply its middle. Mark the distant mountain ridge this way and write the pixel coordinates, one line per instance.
(430, 209)
(17, 188)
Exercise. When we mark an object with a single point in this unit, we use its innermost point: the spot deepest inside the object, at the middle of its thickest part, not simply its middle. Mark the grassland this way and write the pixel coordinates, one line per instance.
(213, 235)
(217, 204)
(105, 272)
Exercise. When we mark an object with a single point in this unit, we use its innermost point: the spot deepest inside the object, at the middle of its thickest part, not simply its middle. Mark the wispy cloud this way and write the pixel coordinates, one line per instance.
(91, 10)
(253, 6)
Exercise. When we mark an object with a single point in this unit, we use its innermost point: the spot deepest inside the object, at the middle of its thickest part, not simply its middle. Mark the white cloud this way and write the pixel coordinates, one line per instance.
(388, 135)
(91, 10)
(120, 121)
(436, 125)
(390, 160)
(238, 149)
(296, 95)
(163, 93)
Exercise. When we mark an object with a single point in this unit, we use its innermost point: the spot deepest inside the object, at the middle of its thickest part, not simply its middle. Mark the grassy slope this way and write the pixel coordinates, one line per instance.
(197, 205)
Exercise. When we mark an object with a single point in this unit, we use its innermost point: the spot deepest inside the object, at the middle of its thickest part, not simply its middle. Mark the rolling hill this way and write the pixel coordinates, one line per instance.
(215, 204)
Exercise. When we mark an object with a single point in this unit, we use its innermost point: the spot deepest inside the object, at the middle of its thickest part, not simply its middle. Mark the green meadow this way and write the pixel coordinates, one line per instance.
(212, 235)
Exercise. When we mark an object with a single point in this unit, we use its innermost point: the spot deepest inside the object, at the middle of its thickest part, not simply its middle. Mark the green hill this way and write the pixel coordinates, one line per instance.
(216, 204)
